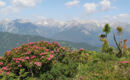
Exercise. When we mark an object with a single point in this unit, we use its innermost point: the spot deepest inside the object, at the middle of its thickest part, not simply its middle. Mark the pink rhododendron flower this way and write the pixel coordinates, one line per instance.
(63, 48)
(31, 43)
(25, 48)
(81, 49)
(19, 65)
(86, 54)
(50, 43)
(1, 58)
(4, 68)
(8, 53)
(124, 62)
(20, 59)
(1, 72)
(42, 57)
(52, 52)
(38, 64)
(14, 59)
(1, 63)
(57, 43)
(33, 57)
(27, 58)
(17, 61)
(50, 57)
(28, 52)
(47, 50)
(18, 48)
(16, 51)
(43, 53)
(47, 41)
(36, 47)
(7, 73)
(30, 47)
(31, 63)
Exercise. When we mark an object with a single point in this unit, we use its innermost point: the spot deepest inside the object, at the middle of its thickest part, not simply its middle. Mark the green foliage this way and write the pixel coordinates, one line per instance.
(42, 59)
(119, 29)
(7, 76)
(106, 48)
(109, 49)
(107, 29)
(22, 74)
(60, 71)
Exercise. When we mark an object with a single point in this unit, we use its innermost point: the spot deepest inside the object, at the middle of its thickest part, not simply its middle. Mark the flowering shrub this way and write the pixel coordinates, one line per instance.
(38, 58)
(125, 62)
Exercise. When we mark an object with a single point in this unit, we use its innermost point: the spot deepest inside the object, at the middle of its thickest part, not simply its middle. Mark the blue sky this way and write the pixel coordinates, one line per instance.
(63, 9)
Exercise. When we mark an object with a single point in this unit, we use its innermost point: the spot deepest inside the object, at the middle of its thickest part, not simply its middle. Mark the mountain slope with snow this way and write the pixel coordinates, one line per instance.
(74, 30)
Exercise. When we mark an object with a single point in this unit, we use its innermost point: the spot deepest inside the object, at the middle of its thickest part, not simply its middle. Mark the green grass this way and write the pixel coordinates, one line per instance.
(104, 67)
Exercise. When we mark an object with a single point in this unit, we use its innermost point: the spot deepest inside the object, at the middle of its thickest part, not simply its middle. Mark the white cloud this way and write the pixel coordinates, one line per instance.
(17, 5)
(105, 5)
(9, 10)
(121, 17)
(72, 3)
(90, 8)
(124, 15)
(49, 22)
(118, 18)
(2, 4)
(25, 3)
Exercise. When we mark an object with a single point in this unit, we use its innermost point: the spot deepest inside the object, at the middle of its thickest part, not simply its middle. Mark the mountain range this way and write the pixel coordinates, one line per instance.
(74, 30)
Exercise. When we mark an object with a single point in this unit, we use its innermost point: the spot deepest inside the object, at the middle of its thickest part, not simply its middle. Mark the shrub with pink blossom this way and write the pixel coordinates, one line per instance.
(38, 58)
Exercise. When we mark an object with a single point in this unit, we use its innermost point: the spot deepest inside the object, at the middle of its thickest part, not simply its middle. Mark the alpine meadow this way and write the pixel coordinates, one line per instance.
(64, 40)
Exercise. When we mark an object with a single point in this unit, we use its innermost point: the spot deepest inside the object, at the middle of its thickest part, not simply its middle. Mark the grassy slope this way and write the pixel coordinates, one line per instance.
(104, 67)
(101, 66)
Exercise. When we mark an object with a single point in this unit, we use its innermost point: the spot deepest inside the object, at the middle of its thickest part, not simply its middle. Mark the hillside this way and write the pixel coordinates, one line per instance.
(9, 40)
(49, 61)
